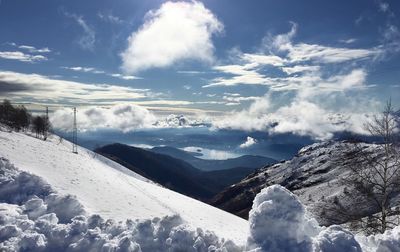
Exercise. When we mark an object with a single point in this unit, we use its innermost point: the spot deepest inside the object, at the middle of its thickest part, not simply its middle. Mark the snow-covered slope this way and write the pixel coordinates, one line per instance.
(110, 190)
(313, 175)
(48, 197)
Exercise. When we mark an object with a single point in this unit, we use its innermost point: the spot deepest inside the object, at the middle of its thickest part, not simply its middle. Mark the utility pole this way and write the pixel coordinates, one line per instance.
(47, 124)
(75, 135)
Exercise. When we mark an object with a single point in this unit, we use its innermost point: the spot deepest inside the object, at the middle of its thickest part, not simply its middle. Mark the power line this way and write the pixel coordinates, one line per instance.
(75, 135)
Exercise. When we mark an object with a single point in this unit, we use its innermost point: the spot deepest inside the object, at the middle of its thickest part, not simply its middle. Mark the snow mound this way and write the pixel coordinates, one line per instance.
(280, 223)
(386, 242)
(284, 215)
(335, 238)
(33, 217)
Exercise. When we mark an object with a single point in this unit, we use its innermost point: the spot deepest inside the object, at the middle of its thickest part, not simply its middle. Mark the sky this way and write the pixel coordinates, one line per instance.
(282, 66)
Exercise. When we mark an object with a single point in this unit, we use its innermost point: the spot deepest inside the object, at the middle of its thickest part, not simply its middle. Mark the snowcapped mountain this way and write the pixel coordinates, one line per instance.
(313, 175)
(176, 121)
(54, 200)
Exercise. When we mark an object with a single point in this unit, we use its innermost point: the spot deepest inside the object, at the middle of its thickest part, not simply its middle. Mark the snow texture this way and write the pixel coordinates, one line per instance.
(104, 187)
(279, 222)
(36, 216)
(33, 217)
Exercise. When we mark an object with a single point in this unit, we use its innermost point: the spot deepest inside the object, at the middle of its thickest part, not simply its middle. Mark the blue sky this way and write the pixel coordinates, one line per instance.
(264, 61)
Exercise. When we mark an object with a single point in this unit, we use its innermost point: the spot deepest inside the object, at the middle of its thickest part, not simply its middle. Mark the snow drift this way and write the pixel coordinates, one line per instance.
(280, 223)
(33, 217)
(108, 189)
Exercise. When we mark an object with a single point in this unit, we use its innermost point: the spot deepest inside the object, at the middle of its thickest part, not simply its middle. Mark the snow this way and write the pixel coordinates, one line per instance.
(106, 188)
(53, 200)
(387, 242)
(279, 210)
(280, 223)
(43, 220)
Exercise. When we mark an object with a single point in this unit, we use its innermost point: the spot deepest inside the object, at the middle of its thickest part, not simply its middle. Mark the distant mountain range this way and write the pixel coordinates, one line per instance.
(250, 161)
(178, 174)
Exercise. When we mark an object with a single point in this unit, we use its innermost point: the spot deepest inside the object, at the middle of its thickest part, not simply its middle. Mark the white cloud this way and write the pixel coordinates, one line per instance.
(348, 41)
(238, 99)
(309, 86)
(108, 17)
(125, 77)
(300, 69)
(95, 71)
(124, 117)
(299, 117)
(20, 56)
(211, 153)
(88, 39)
(249, 142)
(43, 88)
(383, 6)
(302, 52)
(242, 74)
(176, 31)
(33, 49)
(302, 63)
(83, 69)
(190, 72)
(324, 54)
(260, 59)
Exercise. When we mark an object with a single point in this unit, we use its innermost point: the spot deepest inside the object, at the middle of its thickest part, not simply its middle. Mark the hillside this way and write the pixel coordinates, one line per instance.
(54, 200)
(313, 175)
(108, 189)
(250, 161)
(173, 173)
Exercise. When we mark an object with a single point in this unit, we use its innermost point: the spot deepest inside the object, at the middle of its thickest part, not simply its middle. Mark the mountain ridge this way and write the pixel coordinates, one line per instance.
(174, 173)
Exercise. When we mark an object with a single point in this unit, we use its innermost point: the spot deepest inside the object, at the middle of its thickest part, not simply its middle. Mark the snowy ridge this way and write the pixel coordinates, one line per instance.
(313, 175)
(177, 121)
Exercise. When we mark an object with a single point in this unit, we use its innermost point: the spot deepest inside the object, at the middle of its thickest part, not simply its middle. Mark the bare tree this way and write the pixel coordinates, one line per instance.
(374, 175)
(41, 126)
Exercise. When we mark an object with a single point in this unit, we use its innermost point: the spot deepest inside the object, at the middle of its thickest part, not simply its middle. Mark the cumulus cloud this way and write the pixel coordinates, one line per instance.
(307, 76)
(249, 142)
(20, 56)
(301, 117)
(39, 88)
(125, 117)
(176, 31)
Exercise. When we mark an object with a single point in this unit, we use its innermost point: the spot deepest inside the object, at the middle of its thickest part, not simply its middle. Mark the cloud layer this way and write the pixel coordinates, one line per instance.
(40, 88)
(21, 56)
(124, 117)
(320, 97)
(176, 31)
